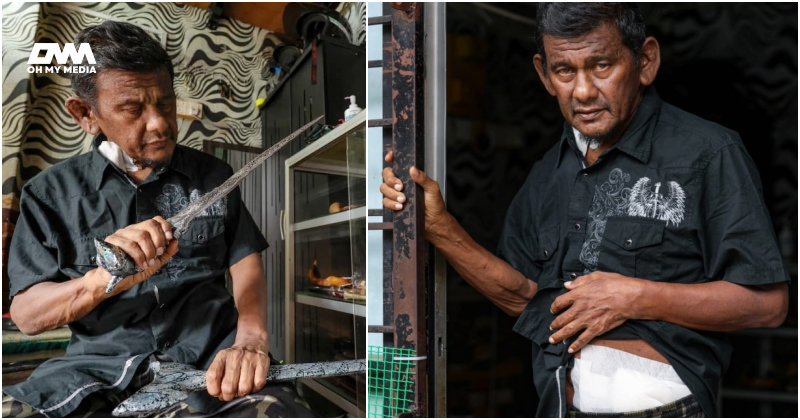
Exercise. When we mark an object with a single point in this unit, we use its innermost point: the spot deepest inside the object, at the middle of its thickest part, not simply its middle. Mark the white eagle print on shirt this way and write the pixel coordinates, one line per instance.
(612, 198)
(646, 202)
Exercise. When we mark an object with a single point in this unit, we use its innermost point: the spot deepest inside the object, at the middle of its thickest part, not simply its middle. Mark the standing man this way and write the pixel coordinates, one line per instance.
(635, 242)
(177, 309)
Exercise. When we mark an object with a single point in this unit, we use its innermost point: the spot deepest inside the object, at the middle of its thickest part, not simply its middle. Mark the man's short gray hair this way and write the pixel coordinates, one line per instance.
(118, 45)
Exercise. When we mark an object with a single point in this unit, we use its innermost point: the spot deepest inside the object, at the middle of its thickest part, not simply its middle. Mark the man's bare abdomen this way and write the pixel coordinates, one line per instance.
(637, 347)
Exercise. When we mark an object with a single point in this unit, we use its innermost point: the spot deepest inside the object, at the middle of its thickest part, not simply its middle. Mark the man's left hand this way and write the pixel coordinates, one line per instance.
(598, 302)
(239, 370)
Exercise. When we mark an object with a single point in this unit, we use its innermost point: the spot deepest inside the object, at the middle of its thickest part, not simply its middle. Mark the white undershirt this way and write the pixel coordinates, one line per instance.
(580, 140)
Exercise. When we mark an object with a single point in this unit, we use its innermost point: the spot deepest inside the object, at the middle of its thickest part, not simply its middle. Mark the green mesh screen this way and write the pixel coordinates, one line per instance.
(389, 381)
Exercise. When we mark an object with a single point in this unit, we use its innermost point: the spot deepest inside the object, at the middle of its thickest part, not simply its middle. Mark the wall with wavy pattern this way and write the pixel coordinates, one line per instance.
(37, 130)
(20, 21)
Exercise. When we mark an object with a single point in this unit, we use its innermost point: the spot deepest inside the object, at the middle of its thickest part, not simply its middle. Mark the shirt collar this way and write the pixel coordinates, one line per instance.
(102, 165)
(637, 138)
(567, 141)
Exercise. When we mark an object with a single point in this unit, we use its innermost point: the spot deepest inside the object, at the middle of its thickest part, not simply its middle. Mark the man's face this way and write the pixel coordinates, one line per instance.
(137, 112)
(595, 79)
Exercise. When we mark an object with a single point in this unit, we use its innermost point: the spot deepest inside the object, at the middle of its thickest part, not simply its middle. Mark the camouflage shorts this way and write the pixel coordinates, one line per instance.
(274, 400)
(686, 407)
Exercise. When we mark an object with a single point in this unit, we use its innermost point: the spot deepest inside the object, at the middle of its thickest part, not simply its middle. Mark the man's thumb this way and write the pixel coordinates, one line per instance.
(417, 175)
(171, 250)
(427, 184)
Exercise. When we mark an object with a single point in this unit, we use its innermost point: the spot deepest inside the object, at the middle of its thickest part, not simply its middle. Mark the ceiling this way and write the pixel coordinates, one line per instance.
(264, 15)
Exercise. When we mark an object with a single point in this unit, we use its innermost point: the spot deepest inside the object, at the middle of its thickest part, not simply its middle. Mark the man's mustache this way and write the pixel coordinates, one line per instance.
(575, 106)
(149, 140)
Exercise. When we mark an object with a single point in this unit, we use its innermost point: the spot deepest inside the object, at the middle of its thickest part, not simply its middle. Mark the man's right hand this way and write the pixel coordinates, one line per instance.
(494, 278)
(393, 197)
(99, 277)
(148, 243)
(49, 304)
(143, 241)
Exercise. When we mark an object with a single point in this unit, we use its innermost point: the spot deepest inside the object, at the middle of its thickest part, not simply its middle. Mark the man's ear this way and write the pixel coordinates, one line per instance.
(538, 62)
(650, 61)
(83, 114)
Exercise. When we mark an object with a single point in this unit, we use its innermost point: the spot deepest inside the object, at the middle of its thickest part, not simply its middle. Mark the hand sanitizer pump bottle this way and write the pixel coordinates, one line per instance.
(353, 110)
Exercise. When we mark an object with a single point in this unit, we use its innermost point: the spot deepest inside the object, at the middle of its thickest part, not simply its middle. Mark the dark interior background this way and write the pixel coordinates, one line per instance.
(734, 64)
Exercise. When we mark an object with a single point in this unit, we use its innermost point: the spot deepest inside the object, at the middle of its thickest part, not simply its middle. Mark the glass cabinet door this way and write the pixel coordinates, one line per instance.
(328, 225)
(357, 190)
(326, 253)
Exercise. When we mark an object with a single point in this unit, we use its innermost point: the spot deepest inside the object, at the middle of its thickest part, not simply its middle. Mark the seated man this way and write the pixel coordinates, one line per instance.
(123, 191)
(637, 240)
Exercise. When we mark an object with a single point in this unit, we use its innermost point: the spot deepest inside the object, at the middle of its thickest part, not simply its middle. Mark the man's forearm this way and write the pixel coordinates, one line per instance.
(714, 306)
(252, 323)
(250, 296)
(494, 278)
(49, 305)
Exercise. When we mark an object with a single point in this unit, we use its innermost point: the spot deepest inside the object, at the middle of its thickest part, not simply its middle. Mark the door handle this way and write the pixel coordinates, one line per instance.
(282, 226)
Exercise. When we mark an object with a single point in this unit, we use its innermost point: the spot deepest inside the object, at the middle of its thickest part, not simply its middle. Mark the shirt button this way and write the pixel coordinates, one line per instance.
(585, 175)
(546, 253)
(93, 260)
(628, 242)
(201, 238)
(167, 344)
(573, 276)
(577, 226)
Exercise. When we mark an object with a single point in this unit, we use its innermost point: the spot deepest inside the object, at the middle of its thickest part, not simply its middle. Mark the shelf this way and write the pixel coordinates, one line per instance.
(345, 306)
(318, 146)
(331, 167)
(311, 196)
(759, 395)
(333, 397)
(332, 219)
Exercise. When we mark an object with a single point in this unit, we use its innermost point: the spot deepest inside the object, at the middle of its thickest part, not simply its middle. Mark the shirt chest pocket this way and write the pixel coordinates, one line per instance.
(631, 246)
(204, 243)
(78, 256)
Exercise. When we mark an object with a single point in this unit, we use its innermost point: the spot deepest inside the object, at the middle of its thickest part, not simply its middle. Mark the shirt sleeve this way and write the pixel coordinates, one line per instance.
(33, 256)
(518, 241)
(243, 236)
(735, 231)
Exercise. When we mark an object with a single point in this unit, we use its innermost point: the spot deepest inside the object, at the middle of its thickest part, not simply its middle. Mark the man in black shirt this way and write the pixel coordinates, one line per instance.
(177, 309)
(634, 243)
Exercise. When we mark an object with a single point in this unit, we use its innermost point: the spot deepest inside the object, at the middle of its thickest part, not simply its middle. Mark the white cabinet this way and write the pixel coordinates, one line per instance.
(325, 224)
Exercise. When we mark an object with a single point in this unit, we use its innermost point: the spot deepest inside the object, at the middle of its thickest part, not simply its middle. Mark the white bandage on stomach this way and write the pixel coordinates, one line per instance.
(607, 380)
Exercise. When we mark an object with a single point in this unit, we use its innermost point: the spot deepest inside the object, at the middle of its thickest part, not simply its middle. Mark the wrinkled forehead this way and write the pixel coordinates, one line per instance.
(114, 84)
(601, 41)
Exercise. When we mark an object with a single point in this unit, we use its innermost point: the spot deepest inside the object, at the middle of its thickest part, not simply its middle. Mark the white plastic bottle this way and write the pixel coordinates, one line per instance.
(353, 110)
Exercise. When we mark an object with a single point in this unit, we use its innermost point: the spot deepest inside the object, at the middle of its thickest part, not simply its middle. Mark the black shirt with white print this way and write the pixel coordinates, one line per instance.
(184, 311)
(677, 199)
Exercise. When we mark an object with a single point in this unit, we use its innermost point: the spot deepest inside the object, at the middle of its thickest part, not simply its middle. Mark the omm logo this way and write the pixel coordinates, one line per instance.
(62, 57)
